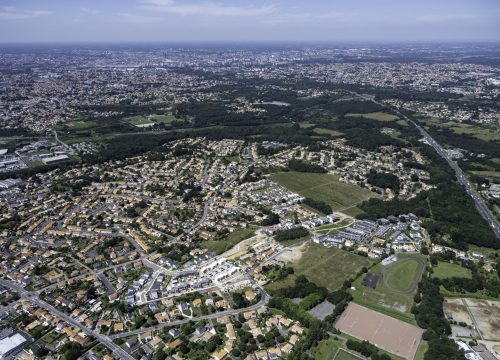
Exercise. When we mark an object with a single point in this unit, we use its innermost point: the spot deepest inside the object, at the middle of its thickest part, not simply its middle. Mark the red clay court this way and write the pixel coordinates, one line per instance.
(392, 335)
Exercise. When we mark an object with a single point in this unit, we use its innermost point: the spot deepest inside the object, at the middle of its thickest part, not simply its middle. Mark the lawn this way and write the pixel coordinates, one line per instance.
(222, 245)
(326, 349)
(401, 275)
(422, 349)
(344, 355)
(328, 267)
(323, 187)
(378, 116)
(445, 270)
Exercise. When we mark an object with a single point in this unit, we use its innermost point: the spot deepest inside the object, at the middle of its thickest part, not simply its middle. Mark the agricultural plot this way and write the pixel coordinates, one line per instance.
(328, 267)
(392, 335)
(323, 187)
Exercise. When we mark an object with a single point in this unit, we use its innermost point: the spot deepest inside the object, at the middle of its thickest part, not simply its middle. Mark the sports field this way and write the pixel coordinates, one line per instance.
(328, 267)
(323, 187)
(392, 335)
(401, 276)
(445, 270)
(394, 292)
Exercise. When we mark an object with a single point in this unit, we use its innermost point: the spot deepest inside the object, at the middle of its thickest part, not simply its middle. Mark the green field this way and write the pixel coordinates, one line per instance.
(400, 276)
(281, 284)
(151, 119)
(328, 267)
(326, 349)
(378, 116)
(222, 245)
(323, 131)
(445, 270)
(323, 187)
(344, 355)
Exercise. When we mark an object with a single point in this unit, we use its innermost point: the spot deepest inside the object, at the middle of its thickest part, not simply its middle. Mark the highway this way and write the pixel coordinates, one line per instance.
(480, 205)
(34, 299)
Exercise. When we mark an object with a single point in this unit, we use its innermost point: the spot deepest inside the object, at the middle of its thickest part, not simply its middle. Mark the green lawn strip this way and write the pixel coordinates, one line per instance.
(422, 349)
(344, 355)
(393, 357)
(379, 116)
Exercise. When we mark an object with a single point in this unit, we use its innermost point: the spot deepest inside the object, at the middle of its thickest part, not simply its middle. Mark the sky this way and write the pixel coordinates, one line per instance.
(50, 21)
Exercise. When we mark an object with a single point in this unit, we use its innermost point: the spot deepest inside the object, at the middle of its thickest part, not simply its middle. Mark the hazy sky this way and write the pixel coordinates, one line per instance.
(237, 20)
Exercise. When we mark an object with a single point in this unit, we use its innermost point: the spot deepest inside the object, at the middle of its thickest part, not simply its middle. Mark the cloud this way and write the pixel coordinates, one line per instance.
(91, 11)
(444, 18)
(206, 8)
(13, 13)
(136, 19)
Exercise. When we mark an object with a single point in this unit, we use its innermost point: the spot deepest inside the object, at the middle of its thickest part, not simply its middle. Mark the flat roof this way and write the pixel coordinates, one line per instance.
(10, 343)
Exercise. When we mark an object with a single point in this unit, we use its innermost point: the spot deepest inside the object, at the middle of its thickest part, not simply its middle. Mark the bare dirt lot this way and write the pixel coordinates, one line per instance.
(457, 309)
(486, 313)
(392, 335)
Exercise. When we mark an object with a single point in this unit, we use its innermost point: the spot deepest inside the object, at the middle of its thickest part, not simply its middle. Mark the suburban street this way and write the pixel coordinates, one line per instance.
(34, 299)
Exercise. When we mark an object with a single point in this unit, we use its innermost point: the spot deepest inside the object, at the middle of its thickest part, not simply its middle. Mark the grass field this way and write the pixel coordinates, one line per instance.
(280, 284)
(142, 120)
(328, 267)
(323, 131)
(378, 116)
(344, 355)
(400, 276)
(220, 246)
(326, 349)
(445, 270)
(323, 187)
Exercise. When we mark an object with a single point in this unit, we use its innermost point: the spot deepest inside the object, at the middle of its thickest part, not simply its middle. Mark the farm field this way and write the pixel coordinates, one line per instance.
(323, 187)
(220, 246)
(328, 267)
(378, 116)
(447, 270)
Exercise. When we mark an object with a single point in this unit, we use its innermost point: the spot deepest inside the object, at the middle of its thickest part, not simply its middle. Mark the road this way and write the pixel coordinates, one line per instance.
(263, 301)
(480, 205)
(34, 299)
